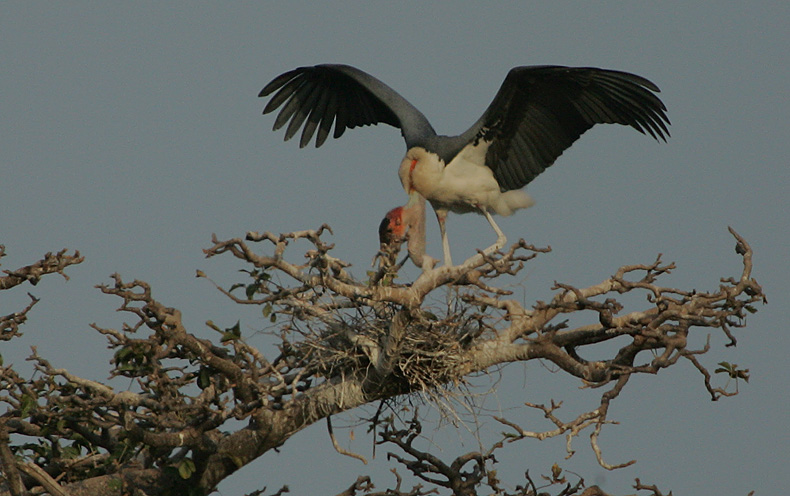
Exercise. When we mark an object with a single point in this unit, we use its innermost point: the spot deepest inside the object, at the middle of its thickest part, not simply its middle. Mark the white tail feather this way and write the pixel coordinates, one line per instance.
(510, 201)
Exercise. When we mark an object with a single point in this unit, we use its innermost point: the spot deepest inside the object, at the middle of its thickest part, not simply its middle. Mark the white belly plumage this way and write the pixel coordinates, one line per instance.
(465, 186)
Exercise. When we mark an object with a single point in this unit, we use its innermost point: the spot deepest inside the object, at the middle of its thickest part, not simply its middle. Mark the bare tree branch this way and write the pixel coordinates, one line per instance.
(344, 343)
(337, 446)
(49, 264)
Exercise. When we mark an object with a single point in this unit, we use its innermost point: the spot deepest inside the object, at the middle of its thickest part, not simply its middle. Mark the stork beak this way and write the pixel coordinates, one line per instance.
(414, 199)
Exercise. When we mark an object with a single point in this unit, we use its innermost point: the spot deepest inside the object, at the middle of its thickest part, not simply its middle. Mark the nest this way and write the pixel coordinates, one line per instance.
(404, 352)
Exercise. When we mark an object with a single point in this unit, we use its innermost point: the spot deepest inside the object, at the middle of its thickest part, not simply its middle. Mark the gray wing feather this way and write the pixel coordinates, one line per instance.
(540, 111)
(313, 98)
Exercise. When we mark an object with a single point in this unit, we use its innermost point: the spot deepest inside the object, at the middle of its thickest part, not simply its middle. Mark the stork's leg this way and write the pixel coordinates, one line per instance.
(500, 240)
(441, 216)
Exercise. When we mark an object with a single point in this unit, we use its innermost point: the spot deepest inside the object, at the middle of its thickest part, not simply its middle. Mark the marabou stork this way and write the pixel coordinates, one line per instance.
(538, 112)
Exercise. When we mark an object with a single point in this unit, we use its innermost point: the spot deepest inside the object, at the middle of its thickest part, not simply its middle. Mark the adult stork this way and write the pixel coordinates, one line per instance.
(538, 112)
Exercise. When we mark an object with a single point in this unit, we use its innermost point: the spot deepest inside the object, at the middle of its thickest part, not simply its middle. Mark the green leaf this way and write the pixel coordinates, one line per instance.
(122, 355)
(186, 468)
(232, 333)
(204, 378)
(733, 371)
(70, 452)
(252, 289)
(724, 367)
(267, 309)
(430, 316)
(556, 472)
(28, 403)
(236, 460)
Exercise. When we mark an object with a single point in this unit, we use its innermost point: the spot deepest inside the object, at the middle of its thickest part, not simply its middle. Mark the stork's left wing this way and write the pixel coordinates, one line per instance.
(541, 110)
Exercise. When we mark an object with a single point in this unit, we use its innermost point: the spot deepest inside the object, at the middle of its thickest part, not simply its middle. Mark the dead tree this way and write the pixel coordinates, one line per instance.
(343, 343)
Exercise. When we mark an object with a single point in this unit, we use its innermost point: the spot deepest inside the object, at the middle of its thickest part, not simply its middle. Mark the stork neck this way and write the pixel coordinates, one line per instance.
(421, 171)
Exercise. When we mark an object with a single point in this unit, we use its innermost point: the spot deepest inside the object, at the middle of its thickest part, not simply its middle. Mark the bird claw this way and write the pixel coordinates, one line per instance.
(500, 243)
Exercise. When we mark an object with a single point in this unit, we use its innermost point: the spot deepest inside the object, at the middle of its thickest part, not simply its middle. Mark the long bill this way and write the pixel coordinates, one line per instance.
(414, 218)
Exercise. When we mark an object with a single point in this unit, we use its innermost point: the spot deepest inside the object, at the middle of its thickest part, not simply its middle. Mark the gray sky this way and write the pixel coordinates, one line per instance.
(132, 131)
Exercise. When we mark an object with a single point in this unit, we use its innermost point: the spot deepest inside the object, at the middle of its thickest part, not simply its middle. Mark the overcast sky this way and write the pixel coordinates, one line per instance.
(131, 131)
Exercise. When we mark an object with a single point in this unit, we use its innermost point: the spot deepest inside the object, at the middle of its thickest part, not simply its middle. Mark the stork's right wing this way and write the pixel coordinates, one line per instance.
(320, 95)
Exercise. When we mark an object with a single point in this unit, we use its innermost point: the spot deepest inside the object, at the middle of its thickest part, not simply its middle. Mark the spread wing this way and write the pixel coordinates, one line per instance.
(313, 98)
(540, 111)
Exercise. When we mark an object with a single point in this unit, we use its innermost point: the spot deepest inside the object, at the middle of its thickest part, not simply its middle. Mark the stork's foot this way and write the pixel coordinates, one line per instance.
(477, 259)
(500, 236)
(500, 243)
